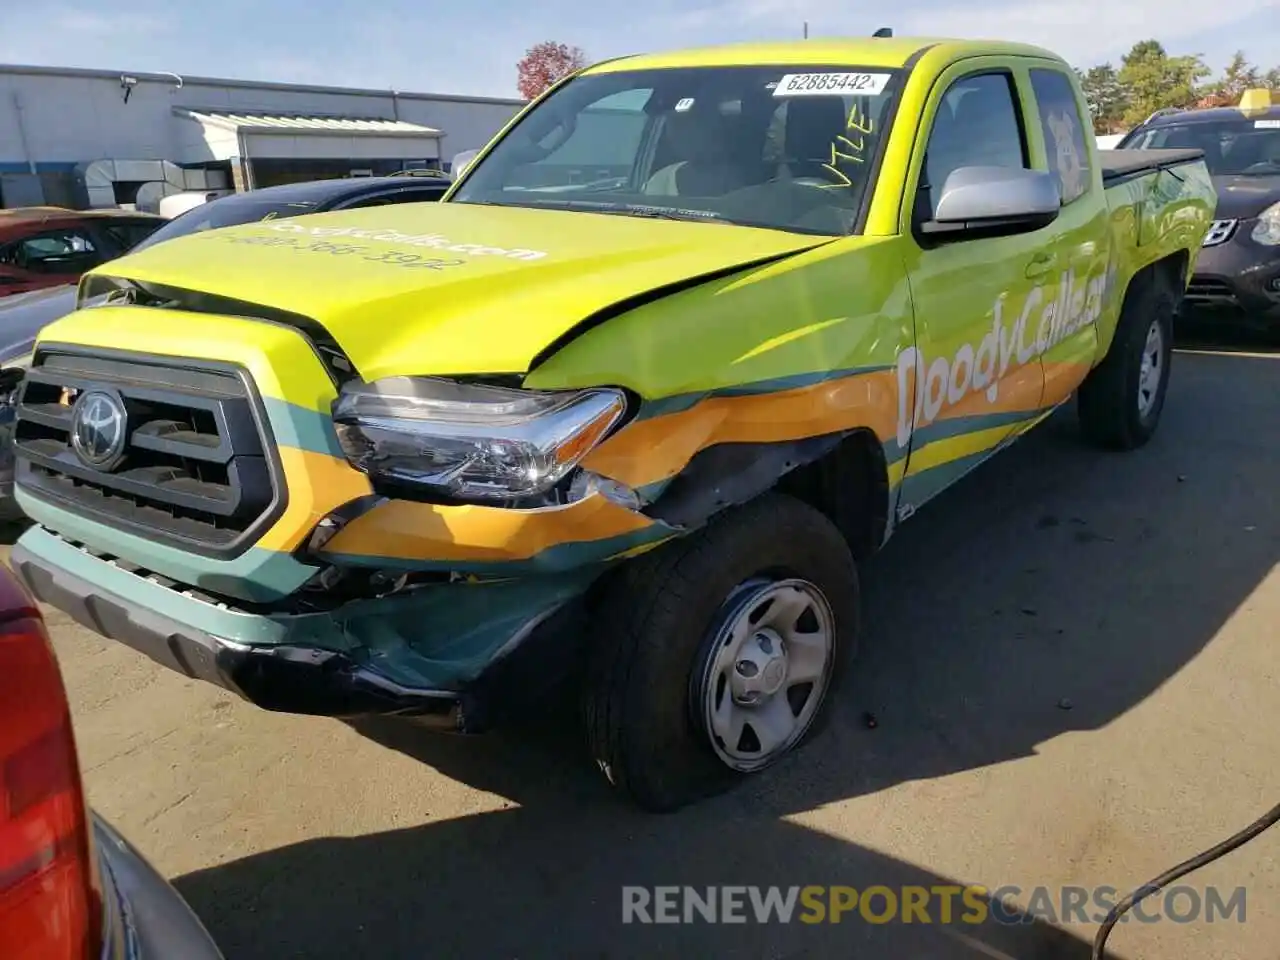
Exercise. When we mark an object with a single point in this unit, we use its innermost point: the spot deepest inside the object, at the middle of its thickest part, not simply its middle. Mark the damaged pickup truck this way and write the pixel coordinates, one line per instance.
(628, 407)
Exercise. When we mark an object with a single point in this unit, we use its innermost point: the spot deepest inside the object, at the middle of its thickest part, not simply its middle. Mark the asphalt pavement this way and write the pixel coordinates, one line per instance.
(1068, 679)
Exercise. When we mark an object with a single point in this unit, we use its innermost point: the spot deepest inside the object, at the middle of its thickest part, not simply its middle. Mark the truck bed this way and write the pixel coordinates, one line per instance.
(1120, 165)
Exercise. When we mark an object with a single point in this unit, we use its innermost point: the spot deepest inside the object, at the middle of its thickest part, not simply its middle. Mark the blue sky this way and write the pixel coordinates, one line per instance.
(461, 47)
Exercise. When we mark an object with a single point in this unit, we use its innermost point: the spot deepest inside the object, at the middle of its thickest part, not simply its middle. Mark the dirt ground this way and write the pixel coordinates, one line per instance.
(1071, 659)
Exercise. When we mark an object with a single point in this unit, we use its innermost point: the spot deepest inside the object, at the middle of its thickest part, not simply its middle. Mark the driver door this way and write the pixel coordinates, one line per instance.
(974, 379)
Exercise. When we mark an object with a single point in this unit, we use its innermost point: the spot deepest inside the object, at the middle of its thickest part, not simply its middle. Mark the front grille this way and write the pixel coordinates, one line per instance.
(195, 471)
(1220, 231)
(1210, 291)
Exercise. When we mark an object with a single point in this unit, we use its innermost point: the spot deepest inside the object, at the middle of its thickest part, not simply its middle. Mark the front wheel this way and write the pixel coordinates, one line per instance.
(1121, 401)
(716, 656)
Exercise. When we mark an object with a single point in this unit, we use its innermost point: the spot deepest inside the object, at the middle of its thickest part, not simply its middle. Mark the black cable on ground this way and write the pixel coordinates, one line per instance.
(1269, 819)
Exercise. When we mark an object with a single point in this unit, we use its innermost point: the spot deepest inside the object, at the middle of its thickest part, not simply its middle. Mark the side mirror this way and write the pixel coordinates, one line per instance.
(994, 202)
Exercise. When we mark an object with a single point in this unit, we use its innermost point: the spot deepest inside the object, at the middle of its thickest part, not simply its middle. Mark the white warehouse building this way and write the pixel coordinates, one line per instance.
(98, 138)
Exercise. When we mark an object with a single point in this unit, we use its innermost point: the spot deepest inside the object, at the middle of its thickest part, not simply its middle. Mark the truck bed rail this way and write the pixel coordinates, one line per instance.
(1118, 165)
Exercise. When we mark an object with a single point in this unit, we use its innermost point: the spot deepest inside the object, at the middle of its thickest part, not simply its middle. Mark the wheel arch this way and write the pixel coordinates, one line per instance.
(1176, 267)
(1173, 268)
(844, 476)
(850, 485)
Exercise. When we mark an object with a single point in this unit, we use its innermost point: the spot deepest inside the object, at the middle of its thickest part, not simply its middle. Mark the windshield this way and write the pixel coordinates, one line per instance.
(226, 212)
(786, 148)
(1231, 147)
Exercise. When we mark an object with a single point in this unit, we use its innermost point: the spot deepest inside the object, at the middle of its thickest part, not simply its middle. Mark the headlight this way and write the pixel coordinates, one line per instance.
(472, 441)
(1267, 230)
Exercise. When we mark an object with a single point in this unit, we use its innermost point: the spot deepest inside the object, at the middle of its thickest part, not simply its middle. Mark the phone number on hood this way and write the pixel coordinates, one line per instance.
(391, 258)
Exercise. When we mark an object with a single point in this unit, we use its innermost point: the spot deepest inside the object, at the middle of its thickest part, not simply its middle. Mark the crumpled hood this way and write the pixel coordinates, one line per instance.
(450, 288)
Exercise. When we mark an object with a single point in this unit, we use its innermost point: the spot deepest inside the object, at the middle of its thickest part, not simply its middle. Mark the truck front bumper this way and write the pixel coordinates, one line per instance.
(455, 655)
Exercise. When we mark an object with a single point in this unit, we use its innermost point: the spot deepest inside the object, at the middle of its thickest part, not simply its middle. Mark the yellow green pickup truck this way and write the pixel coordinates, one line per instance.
(624, 414)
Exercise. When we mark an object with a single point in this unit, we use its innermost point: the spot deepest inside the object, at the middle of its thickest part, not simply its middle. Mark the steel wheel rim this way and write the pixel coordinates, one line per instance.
(766, 671)
(1151, 373)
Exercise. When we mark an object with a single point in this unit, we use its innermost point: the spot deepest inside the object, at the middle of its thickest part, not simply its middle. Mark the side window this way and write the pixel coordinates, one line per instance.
(56, 252)
(977, 125)
(1064, 132)
(129, 235)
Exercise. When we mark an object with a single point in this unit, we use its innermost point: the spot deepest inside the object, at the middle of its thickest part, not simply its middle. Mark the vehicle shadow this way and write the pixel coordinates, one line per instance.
(547, 880)
(1050, 592)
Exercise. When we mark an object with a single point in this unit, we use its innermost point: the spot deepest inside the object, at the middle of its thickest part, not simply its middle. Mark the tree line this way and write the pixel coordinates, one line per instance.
(1149, 79)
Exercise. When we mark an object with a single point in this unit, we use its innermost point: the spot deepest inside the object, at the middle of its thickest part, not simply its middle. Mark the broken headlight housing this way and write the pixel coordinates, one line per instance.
(95, 290)
(472, 442)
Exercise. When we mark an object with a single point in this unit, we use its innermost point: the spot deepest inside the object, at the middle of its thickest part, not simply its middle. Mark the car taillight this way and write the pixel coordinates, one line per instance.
(49, 904)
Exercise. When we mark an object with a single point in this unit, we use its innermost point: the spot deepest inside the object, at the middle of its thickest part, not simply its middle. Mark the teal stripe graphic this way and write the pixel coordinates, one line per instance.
(256, 575)
(296, 426)
(434, 638)
(559, 558)
(922, 487)
(678, 403)
(959, 426)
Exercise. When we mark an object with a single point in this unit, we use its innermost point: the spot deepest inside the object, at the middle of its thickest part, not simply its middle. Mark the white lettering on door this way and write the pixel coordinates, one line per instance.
(945, 381)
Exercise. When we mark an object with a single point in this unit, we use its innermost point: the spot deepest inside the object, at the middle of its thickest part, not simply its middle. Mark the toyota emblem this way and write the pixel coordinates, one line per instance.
(99, 429)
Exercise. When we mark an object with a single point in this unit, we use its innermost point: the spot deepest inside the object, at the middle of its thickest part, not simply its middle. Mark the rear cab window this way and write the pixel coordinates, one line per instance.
(1063, 128)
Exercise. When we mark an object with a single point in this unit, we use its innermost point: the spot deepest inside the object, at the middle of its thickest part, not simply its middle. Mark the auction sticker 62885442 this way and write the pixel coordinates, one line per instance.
(829, 84)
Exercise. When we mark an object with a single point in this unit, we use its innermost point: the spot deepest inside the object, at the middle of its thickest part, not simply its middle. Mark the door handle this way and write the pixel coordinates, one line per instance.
(1041, 264)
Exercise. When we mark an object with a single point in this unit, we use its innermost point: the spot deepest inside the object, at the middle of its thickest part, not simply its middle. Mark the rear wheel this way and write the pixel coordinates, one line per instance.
(1121, 400)
(716, 656)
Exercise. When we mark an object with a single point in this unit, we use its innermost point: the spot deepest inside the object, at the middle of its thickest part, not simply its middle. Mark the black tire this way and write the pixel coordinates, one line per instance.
(654, 624)
(1107, 401)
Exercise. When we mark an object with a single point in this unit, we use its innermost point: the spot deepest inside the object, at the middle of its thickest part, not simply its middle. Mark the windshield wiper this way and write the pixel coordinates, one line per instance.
(624, 209)
(661, 213)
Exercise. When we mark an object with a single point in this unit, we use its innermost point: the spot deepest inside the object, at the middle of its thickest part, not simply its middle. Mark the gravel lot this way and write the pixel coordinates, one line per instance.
(1071, 658)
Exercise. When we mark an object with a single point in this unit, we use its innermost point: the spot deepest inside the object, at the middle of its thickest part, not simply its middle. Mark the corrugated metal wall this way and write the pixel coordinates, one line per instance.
(58, 119)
